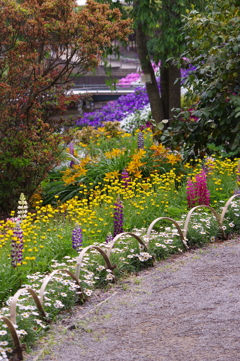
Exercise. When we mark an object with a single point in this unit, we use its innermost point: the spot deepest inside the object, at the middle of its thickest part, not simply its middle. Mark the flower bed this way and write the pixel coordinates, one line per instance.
(113, 182)
(45, 296)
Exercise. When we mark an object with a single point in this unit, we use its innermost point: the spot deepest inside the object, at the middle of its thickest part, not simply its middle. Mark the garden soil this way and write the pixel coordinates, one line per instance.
(186, 308)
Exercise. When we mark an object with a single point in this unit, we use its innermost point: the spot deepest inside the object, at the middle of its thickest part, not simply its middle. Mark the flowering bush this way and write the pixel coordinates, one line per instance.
(132, 110)
(116, 110)
(95, 165)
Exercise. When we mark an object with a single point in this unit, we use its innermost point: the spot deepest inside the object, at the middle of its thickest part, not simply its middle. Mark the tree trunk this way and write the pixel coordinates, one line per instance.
(170, 91)
(152, 88)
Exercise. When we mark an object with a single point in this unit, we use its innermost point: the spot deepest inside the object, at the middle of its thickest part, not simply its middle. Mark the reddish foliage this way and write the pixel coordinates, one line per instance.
(42, 43)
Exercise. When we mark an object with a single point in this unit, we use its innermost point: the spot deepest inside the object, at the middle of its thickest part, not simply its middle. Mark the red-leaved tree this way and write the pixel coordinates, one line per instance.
(42, 44)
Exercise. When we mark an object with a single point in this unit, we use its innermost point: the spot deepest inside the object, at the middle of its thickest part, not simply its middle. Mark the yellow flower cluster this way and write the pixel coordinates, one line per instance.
(70, 175)
(92, 210)
(159, 150)
(135, 163)
(115, 152)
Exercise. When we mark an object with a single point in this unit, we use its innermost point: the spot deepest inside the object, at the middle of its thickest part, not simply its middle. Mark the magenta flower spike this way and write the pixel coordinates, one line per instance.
(197, 192)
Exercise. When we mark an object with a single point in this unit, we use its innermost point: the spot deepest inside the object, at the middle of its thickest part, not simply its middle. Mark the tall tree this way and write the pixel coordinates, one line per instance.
(42, 43)
(152, 86)
(159, 37)
(160, 23)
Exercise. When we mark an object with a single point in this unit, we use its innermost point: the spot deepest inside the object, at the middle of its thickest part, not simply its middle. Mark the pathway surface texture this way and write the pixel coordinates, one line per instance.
(184, 309)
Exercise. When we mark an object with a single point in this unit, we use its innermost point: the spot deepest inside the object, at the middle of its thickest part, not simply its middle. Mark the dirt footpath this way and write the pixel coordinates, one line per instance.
(183, 309)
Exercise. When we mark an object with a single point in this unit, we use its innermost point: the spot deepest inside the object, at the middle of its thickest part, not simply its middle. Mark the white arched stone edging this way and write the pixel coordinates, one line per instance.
(17, 352)
(82, 254)
(48, 278)
(13, 305)
(213, 212)
(225, 208)
(120, 235)
(183, 239)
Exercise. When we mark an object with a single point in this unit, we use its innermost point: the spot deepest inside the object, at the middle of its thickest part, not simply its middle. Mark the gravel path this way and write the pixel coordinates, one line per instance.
(184, 309)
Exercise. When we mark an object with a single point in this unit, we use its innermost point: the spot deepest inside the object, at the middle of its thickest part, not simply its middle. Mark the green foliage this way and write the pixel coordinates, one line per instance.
(168, 40)
(213, 47)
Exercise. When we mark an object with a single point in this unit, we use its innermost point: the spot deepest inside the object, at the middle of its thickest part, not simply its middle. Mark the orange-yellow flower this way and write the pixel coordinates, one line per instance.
(159, 149)
(136, 163)
(173, 158)
(112, 175)
(115, 152)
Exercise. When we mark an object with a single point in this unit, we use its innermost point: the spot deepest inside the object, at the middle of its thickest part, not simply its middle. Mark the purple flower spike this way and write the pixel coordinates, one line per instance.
(125, 178)
(17, 246)
(140, 140)
(118, 217)
(71, 151)
(77, 238)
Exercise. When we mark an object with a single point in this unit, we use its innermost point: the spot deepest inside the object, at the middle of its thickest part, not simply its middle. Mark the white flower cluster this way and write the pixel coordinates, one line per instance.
(134, 120)
(3, 355)
(22, 208)
(144, 256)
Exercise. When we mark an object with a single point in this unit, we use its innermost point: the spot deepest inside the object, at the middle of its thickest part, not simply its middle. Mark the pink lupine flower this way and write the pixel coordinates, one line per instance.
(197, 192)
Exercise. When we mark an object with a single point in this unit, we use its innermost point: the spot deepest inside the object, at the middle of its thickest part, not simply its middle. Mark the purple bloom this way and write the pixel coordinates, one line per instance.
(77, 238)
(118, 217)
(71, 151)
(17, 246)
(186, 71)
(126, 104)
(146, 125)
(116, 110)
(109, 238)
(140, 140)
(125, 178)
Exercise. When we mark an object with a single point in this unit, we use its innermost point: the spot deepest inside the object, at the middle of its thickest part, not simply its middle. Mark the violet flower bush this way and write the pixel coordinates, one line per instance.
(127, 109)
(116, 110)
(130, 79)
